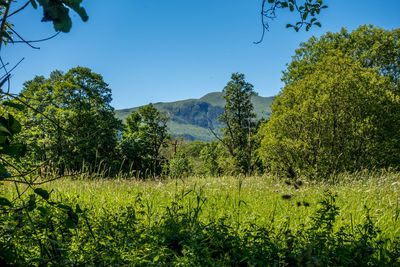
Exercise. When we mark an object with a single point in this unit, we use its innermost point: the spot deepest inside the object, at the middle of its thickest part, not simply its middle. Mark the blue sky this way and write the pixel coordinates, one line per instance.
(168, 50)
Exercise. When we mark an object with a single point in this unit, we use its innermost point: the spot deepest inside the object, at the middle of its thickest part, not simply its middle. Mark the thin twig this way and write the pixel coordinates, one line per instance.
(20, 9)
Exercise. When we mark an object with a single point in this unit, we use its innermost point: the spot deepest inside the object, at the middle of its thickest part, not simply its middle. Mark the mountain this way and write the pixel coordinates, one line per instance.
(192, 118)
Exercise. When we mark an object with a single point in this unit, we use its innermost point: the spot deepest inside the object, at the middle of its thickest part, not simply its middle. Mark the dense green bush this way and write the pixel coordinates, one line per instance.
(180, 166)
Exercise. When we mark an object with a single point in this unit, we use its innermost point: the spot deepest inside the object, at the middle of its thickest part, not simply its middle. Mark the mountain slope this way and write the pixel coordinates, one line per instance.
(191, 118)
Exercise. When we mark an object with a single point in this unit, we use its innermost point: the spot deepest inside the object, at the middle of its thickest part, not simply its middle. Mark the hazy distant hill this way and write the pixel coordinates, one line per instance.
(191, 118)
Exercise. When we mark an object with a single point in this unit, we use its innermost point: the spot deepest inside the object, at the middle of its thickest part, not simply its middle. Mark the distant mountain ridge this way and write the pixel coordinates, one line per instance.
(191, 118)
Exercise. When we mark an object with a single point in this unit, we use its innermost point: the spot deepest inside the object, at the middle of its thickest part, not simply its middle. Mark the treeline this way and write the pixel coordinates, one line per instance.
(338, 111)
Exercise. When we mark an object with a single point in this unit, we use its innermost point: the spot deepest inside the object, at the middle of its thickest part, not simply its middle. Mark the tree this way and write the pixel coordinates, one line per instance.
(238, 120)
(371, 46)
(341, 116)
(70, 120)
(144, 135)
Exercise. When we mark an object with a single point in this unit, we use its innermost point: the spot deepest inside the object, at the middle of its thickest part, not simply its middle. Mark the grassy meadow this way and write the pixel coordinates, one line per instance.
(191, 221)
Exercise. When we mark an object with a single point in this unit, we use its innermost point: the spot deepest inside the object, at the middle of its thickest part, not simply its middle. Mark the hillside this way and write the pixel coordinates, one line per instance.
(191, 118)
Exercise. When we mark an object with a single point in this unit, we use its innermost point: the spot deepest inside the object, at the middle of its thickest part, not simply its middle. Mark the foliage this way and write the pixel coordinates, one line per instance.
(200, 222)
(238, 121)
(370, 46)
(12, 169)
(307, 10)
(144, 136)
(338, 110)
(209, 158)
(69, 120)
(57, 11)
(180, 165)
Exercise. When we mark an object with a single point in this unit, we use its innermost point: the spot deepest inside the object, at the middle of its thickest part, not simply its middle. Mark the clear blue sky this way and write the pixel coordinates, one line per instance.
(167, 50)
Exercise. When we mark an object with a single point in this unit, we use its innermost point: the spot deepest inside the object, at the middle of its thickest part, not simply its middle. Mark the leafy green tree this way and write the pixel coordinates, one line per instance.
(371, 46)
(144, 136)
(340, 116)
(238, 118)
(70, 120)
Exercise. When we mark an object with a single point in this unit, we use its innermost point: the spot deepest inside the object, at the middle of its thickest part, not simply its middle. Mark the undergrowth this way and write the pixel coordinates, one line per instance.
(196, 226)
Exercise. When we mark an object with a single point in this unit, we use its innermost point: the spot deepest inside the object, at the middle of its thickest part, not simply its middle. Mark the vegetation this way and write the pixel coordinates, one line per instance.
(191, 118)
(210, 222)
(238, 120)
(129, 194)
(339, 108)
(69, 120)
(144, 136)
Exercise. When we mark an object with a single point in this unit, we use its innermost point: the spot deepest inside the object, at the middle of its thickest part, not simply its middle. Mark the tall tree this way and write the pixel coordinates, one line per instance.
(238, 118)
(144, 136)
(339, 117)
(70, 120)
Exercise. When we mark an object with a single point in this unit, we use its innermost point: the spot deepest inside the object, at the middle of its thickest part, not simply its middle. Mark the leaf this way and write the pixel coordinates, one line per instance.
(58, 13)
(317, 24)
(32, 202)
(64, 207)
(4, 130)
(3, 140)
(43, 193)
(14, 105)
(44, 211)
(33, 3)
(78, 209)
(14, 125)
(72, 220)
(5, 202)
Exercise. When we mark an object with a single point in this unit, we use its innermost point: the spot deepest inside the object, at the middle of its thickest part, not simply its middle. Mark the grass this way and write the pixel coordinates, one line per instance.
(244, 204)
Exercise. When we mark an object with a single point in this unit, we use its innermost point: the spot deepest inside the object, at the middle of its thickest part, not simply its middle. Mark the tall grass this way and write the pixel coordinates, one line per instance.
(206, 219)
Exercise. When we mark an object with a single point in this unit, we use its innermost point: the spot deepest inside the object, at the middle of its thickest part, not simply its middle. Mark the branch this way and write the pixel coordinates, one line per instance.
(40, 40)
(3, 22)
(23, 40)
(20, 9)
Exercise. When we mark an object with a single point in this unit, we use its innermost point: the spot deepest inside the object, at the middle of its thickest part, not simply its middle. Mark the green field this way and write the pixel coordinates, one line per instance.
(225, 220)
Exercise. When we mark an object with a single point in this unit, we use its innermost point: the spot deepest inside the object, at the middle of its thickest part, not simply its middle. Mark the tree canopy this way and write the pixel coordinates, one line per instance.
(70, 120)
(341, 116)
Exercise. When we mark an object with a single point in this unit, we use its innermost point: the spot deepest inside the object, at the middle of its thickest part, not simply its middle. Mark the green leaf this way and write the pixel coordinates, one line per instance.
(44, 211)
(43, 193)
(33, 3)
(5, 202)
(4, 130)
(3, 140)
(317, 24)
(78, 209)
(14, 105)
(31, 202)
(14, 125)
(64, 207)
